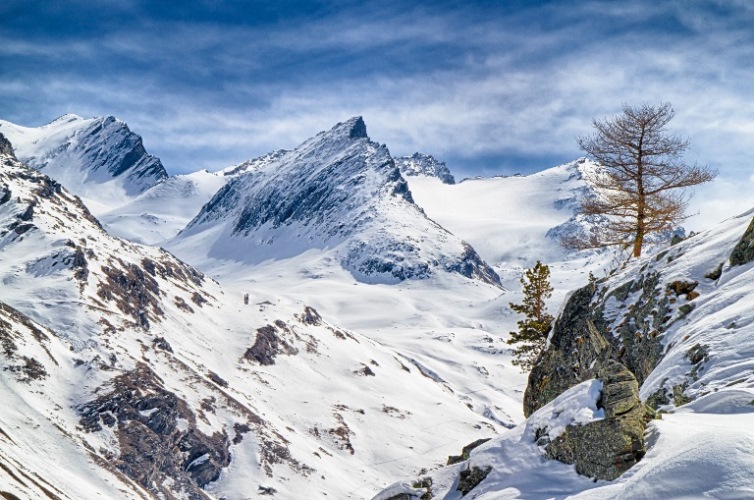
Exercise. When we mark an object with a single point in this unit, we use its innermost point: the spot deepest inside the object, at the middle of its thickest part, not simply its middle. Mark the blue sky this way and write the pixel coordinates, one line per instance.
(491, 87)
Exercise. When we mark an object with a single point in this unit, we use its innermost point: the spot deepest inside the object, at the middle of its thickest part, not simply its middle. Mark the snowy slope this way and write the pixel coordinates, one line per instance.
(515, 221)
(304, 370)
(339, 194)
(507, 218)
(703, 380)
(169, 382)
(161, 212)
(98, 159)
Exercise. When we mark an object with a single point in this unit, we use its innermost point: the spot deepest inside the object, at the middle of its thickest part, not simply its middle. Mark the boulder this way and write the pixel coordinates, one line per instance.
(605, 449)
(575, 349)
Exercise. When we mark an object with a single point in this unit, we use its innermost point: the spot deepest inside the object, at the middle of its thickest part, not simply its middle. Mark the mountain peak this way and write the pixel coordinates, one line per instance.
(354, 127)
(425, 165)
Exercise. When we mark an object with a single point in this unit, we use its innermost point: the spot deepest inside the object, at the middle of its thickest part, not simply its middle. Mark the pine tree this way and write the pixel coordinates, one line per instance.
(533, 330)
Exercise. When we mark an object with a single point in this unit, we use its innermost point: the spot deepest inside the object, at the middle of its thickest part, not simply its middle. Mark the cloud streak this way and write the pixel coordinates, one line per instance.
(490, 88)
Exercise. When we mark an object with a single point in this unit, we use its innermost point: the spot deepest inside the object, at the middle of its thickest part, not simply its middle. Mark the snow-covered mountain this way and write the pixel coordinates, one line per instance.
(319, 366)
(130, 374)
(507, 219)
(338, 193)
(98, 159)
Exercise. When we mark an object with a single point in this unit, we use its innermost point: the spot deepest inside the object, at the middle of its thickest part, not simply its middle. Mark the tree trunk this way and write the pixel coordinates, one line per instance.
(638, 241)
(641, 228)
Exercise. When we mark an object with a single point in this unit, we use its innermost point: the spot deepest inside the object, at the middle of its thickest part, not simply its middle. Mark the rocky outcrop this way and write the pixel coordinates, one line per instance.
(268, 345)
(590, 331)
(606, 448)
(592, 339)
(576, 347)
(470, 477)
(455, 459)
(427, 165)
(5, 147)
(743, 253)
(161, 447)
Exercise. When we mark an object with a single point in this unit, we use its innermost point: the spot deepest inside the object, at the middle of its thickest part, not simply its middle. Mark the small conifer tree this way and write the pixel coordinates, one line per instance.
(533, 330)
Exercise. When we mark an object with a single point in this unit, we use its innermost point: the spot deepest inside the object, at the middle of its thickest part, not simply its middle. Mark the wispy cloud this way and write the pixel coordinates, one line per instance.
(491, 88)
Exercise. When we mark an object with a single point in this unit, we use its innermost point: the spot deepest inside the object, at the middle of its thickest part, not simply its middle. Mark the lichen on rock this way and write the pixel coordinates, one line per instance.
(606, 448)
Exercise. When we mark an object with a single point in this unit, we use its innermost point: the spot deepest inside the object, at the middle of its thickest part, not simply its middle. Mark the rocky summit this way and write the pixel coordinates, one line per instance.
(96, 158)
(339, 192)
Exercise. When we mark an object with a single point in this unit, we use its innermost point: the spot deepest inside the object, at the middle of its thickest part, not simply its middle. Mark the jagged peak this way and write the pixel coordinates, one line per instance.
(424, 164)
(354, 128)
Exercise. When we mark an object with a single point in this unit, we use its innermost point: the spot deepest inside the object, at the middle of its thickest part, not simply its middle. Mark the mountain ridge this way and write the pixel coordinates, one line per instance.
(338, 191)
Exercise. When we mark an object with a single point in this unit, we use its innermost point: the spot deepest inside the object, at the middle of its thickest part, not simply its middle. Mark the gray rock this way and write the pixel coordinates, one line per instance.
(427, 165)
(470, 478)
(576, 348)
(605, 449)
(743, 253)
(465, 452)
(153, 450)
(5, 147)
(583, 347)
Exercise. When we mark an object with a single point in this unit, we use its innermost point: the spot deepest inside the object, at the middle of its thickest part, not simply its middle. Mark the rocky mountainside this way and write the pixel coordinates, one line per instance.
(130, 374)
(426, 165)
(646, 382)
(338, 192)
(98, 159)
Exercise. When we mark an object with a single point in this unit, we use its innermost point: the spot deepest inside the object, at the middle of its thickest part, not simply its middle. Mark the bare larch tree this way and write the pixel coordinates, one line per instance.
(640, 188)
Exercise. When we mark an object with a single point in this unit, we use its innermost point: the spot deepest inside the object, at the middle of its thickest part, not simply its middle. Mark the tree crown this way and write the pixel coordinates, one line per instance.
(641, 186)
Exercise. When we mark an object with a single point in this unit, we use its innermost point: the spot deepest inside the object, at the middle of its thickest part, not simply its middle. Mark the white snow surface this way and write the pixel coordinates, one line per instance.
(161, 212)
(442, 375)
(351, 412)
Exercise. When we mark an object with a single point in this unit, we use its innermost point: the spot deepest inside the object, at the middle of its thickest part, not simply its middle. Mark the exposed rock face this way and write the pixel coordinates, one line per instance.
(743, 253)
(582, 347)
(575, 346)
(605, 449)
(421, 164)
(5, 147)
(267, 346)
(583, 341)
(636, 337)
(470, 478)
(455, 459)
(161, 447)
